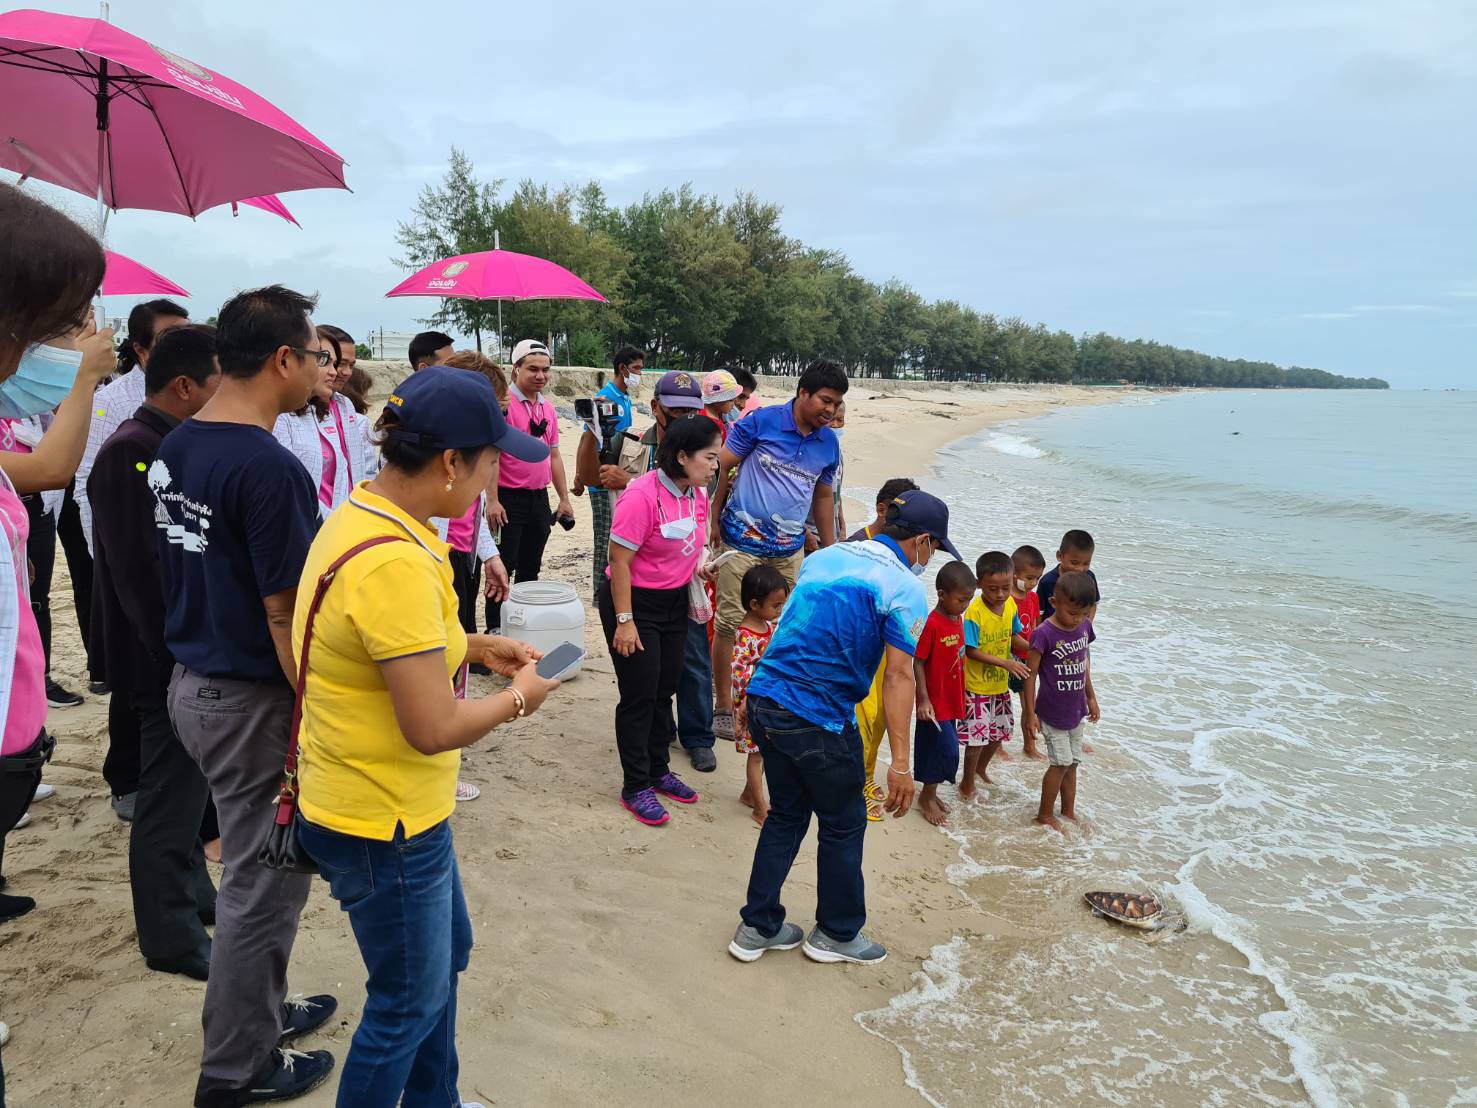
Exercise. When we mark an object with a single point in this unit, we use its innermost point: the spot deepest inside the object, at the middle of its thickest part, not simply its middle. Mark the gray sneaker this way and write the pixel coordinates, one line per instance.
(123, 806)
(748, 944)
(820, 947)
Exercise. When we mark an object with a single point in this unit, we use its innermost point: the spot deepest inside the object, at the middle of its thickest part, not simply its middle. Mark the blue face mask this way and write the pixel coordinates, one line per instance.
(41, 381)
(917, 568)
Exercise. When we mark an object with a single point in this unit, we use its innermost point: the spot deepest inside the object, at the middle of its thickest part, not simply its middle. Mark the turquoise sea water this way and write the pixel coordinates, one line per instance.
(1285, 665)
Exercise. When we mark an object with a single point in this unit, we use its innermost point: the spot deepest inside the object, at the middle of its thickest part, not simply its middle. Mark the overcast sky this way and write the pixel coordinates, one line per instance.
(1270, 179)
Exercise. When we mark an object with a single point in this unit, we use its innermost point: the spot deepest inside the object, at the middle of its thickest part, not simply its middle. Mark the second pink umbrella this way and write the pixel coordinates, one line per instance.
(496, 275)
(126, 277)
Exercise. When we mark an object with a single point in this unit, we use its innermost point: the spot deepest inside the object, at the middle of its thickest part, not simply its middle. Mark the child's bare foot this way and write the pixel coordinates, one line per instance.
(1052, 822)
(1002, 753)
(983, 775)
(967, 791)
(213, 851)
(747, 797)
(1087, 748)
(934, 811)
(1032, 752)
(761, 812)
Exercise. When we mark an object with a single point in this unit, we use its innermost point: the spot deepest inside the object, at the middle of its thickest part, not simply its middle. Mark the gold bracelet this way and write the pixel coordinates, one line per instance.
(522, 704)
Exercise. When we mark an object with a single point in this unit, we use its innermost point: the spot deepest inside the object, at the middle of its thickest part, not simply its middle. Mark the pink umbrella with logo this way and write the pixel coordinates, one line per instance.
(92, 108)
(496, 275)
(126, 277)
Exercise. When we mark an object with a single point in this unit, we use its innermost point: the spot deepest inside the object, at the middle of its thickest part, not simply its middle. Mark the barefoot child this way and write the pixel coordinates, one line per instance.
(763, 592)
(1065, 697)
(1073, 556)
(938, 675)
(991, 627)
(1028, 565)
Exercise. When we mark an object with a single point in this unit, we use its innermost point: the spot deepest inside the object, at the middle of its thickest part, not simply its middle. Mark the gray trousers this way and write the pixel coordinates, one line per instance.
(237, 733)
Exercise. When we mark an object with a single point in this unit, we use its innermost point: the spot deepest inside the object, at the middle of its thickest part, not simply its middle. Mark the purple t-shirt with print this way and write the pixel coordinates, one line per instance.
(1061, 698)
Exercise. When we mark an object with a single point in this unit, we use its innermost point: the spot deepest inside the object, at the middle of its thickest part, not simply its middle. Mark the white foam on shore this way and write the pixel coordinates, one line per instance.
(1017, 446)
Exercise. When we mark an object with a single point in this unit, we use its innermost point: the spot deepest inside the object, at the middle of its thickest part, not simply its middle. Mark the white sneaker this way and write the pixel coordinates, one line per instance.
(465, 790)
(24, 821)
(43, 792)
(5, 1035)
(465, 1103)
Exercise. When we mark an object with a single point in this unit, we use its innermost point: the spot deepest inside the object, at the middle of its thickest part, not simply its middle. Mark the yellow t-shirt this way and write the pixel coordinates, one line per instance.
(991, 633)
(358, 774)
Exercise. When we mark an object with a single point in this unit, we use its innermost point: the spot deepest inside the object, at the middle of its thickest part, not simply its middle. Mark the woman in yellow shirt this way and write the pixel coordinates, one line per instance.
(382, 728)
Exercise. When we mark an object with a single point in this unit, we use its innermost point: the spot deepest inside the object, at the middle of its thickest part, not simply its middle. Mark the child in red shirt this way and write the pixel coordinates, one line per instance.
(938, 674)
(1028, 565)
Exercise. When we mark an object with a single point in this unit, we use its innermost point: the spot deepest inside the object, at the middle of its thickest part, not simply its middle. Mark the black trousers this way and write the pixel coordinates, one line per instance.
(647, 680)
(466, 573)
(41, 550)
(530, 519)
(122, 761)
(166, 866)
(18, 788)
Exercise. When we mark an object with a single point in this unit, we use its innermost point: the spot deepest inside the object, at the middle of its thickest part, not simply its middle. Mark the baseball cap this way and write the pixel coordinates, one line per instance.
(453, 409)
(529, 346)
(923, 514)
(720, 385)
(679, 389)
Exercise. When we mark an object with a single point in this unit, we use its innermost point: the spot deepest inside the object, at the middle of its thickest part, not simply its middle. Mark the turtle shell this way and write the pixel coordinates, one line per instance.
(1134, 909)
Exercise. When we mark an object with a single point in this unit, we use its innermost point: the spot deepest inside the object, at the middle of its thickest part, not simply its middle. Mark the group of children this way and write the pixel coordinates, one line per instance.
(1005, 629)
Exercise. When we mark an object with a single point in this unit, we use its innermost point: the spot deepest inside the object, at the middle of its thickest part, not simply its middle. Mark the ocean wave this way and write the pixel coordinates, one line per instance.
(1017, 446)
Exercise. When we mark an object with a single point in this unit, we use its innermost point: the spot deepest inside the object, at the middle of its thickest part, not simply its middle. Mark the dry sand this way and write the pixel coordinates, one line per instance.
(600, 972)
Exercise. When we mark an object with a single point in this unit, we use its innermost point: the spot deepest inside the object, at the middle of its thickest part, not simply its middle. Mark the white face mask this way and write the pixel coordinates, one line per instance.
(840, 432)
(633, 382)
(41, 381)
(1022, 585)
(683, 530)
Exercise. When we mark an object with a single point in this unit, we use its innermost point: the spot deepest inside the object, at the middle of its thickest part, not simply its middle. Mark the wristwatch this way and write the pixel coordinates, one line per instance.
(624, 617)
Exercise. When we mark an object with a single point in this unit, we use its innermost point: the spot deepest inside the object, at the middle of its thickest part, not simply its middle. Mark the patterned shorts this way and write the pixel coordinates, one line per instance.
(987, 719)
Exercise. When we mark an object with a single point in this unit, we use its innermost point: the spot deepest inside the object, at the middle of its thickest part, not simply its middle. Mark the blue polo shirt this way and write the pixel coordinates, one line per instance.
(771, 498)
(612, 391)
(851, 600)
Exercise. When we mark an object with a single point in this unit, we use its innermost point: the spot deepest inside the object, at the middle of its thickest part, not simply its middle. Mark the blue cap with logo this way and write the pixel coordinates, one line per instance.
(923, 513)
(444, 408)
(679, 389)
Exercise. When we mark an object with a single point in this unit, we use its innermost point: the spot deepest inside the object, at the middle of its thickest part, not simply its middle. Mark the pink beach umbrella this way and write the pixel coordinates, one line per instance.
(126, 277)
(267, 204)
(92, 108)
(496, 275)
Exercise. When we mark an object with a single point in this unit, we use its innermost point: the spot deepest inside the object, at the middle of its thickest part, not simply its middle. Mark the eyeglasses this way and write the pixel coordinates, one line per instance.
(324, 358)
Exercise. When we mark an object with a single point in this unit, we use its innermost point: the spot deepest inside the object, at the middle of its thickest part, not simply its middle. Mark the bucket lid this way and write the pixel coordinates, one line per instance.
(542, 592)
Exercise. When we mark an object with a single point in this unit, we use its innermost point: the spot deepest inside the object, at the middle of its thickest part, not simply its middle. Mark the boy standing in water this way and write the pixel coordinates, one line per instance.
(938, 675)
(1073, 556)
(1065, 697)
(1028, 565)
(991, 627)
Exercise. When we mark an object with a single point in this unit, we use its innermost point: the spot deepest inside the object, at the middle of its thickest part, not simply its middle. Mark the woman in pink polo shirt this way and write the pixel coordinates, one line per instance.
(656, 544)
(521, 508)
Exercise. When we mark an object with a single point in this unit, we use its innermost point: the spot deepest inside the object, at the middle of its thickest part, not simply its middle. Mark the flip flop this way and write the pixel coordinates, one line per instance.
(465, 790)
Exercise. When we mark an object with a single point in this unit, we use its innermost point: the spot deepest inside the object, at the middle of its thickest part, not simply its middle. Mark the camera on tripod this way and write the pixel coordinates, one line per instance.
(602, 416)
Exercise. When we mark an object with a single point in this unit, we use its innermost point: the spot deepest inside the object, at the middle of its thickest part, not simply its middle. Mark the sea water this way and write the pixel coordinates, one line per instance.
(1285, 665)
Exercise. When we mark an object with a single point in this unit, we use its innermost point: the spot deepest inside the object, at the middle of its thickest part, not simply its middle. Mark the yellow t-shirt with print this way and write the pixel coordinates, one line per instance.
(358, 774)
(991, 633)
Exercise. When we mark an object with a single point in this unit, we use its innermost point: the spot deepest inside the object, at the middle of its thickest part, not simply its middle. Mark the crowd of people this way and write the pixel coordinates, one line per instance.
(277, 584)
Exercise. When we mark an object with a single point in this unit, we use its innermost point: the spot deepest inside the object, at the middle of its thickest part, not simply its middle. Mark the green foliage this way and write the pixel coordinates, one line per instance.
(700, 284)
(363, 350)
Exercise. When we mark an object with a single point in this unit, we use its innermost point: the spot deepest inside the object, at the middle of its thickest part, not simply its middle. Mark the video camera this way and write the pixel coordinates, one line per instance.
(602, 417)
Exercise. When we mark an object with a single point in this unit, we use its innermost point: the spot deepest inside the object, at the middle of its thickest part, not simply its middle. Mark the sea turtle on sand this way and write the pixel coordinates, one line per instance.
(1142, 910)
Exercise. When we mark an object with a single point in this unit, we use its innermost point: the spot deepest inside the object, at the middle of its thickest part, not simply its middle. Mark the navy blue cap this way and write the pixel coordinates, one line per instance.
(679, 389)
(923, 514)
(445, 408)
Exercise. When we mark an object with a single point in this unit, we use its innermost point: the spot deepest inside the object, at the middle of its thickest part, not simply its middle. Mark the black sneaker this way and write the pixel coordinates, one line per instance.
(13, 907)
(301, 1016)
(703, 759)
(99, 688)
(290, 1074)
(59, 696)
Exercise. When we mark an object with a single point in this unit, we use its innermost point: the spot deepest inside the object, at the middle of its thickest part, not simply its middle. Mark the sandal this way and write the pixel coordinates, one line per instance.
(465, 790)
(874, 811)
(723, 725)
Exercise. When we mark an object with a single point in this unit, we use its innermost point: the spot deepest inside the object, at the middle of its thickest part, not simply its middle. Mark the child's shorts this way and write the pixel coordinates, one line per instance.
(987, 719)
(1017, 684)
(935, 752)
(1063, 748)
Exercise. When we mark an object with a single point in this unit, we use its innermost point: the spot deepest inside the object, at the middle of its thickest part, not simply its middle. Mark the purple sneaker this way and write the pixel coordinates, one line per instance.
(645, 807)
(675, 788)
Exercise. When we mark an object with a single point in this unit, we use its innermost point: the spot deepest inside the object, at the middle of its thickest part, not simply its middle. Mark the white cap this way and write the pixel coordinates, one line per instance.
(527, 347)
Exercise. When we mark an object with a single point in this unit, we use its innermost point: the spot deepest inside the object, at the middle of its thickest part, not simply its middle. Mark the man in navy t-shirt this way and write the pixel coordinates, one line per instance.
(236, 514)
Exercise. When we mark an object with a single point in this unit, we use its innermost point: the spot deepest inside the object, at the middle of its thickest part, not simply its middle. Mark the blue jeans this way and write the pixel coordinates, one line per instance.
(809, 769)
(695, 690)
(405, 904)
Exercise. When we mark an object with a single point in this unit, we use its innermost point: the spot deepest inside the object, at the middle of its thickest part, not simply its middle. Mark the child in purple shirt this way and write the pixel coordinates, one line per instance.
(1060, 662)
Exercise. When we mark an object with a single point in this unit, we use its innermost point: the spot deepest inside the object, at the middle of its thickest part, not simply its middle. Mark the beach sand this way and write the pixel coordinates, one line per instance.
(600, 970)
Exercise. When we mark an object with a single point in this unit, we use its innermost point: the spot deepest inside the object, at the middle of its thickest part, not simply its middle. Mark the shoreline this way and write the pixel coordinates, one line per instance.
(597, 940)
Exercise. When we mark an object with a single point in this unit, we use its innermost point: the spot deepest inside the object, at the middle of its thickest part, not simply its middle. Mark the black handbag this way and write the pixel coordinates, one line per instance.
(281, 850)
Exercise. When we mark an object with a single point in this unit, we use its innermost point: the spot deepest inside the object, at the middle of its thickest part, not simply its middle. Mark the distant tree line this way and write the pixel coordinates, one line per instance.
(701, 284)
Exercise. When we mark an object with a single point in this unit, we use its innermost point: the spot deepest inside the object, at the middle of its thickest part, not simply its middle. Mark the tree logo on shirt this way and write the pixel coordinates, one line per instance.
(190, 533)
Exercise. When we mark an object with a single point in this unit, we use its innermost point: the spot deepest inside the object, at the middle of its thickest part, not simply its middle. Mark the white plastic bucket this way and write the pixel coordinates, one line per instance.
(544, 614)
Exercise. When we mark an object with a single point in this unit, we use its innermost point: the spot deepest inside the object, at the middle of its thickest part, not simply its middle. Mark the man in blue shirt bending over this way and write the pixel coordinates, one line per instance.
(855, 604)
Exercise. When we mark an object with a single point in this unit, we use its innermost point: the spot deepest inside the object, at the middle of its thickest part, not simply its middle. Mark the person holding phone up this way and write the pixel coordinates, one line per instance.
(656, 546)
(382, 729)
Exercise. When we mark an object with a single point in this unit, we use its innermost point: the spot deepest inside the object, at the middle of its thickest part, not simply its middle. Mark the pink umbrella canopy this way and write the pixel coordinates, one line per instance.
(496, 275)
(126, 277)
(92, 108)
(267, 204)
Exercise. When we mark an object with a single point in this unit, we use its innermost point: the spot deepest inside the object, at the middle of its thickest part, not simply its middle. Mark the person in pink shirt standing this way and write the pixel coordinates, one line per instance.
(521, 508)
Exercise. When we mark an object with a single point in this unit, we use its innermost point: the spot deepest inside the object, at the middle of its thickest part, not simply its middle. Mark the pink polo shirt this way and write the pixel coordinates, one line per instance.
(646, 504)
(27, 708)
(513, 474)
